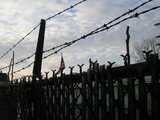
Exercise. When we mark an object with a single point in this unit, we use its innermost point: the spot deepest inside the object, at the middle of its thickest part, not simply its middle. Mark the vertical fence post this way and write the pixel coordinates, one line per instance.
(103, 92)
(36, 88)
(90, 91)
(111, 93)
(96, 91)
(131, 99)
(83, 92)
(72, 106)
(155, 92)
(68, 112)
(52, 96)
(47, 97)
(142, 96)
(120, 99)
(56, 98)
(63, 93)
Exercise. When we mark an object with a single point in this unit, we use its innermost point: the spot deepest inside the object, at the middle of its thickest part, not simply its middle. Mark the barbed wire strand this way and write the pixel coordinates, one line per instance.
(20, 61)
(128, 12)
(29, 65)
(136, 15)
(34, 28)
(18, 42)
(72, 6)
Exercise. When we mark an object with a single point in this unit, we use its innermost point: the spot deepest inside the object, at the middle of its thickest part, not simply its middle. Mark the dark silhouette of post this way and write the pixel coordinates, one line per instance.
(127, 45)
(12, 71)
(39, 52)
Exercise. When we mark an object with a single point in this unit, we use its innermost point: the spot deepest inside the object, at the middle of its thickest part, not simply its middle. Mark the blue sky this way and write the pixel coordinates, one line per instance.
(19, 16)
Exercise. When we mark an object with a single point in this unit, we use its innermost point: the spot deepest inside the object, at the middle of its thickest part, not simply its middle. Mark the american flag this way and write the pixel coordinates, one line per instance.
(62, 65)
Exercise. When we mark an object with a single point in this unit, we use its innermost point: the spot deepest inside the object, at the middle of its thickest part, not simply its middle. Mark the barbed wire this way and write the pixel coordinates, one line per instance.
(66, 43)
(20, 61)
(105, 27)
(136, 15)
(115, 19)
(34, 28)
(29, 65)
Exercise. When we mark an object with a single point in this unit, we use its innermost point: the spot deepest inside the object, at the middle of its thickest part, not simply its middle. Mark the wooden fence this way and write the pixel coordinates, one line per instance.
(102, 93)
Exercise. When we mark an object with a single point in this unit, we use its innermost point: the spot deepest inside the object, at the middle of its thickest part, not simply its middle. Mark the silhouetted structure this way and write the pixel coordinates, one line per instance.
(103, 92)
(39, 51)
(8, 104)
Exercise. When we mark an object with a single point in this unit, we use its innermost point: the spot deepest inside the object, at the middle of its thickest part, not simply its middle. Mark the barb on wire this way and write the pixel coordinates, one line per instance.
(67, 44)
(24, 68)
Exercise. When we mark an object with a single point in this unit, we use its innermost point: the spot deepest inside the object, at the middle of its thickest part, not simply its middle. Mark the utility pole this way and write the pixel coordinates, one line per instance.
(39, 51)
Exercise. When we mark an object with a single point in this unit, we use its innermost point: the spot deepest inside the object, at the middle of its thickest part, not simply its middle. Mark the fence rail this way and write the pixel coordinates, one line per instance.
(103, 92)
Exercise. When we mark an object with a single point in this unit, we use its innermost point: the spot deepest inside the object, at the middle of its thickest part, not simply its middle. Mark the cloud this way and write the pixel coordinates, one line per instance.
(19, 16)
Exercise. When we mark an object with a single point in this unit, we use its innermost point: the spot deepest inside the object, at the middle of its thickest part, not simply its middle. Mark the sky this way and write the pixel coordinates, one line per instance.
(19, 16)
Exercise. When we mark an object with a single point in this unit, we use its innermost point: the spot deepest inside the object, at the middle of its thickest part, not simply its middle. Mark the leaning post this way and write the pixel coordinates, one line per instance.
(38, 113)
(39, 51)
